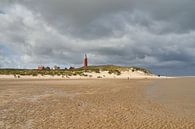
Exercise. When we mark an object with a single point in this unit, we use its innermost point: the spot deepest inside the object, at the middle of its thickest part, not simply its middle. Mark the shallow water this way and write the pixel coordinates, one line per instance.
(177, 94)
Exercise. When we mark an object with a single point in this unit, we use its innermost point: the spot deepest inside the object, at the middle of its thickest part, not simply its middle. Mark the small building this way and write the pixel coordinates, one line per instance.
(40, 67)
(71, 68)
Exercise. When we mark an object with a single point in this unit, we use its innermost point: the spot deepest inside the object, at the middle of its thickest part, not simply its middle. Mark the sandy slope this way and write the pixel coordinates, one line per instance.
(108, 104)
(92, 75)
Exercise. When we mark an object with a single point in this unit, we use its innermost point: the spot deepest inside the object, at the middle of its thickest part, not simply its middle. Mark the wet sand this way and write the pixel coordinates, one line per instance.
(178, 95)
(107, 104)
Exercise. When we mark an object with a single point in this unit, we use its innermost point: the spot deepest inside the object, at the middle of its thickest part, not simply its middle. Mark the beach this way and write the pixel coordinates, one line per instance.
(97, 103)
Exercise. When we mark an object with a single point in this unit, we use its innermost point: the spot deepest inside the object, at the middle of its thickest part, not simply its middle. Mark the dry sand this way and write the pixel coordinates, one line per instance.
(89, 75)
(104, 103)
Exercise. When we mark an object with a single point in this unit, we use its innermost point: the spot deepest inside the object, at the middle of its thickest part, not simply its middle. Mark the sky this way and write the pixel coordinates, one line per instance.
(155, 34)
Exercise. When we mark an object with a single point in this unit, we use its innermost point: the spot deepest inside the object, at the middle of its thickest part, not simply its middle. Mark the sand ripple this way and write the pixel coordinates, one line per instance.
(108, 104)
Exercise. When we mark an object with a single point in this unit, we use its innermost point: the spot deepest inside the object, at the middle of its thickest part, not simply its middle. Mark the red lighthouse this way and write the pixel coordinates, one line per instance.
(85, 62)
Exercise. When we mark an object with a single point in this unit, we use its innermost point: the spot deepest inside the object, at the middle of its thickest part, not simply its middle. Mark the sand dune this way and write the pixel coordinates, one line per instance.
(81, 104)
(89, 75)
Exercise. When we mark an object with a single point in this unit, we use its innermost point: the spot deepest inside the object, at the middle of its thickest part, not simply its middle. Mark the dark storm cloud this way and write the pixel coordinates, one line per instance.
(80, 17)
(158, 34)
(178, 12)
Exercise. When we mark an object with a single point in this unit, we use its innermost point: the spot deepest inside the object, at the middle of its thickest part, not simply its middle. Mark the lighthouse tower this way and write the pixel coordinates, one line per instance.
(85, 62)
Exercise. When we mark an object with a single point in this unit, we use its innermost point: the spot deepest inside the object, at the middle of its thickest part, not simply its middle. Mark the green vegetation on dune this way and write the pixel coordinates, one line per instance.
(134, 68)
(108, 67)
(112, 69)
(35, 72)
